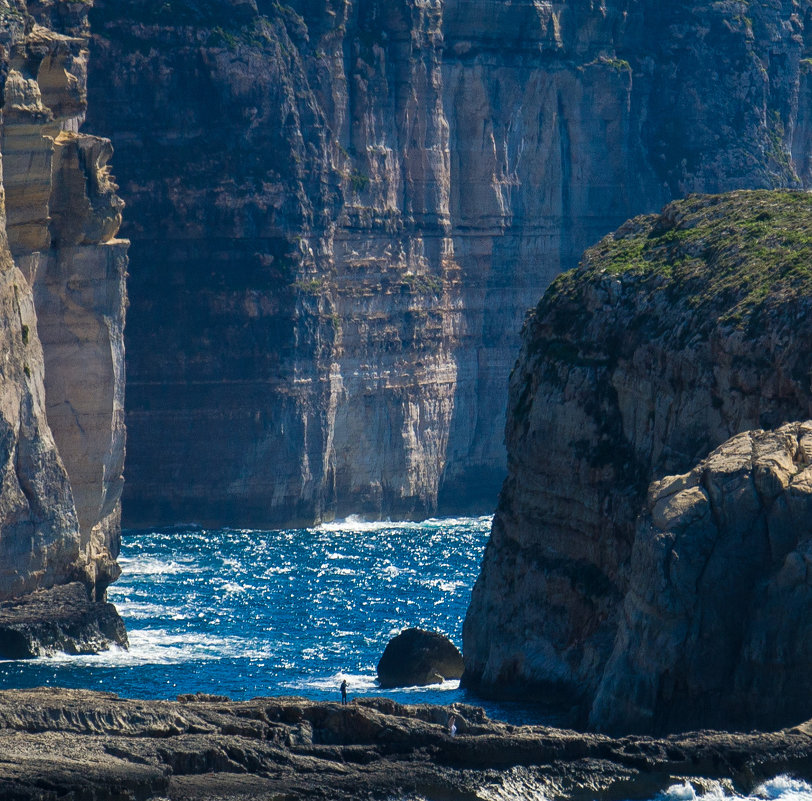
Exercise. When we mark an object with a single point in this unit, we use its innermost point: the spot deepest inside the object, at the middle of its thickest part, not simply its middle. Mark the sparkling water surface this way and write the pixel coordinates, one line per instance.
(246, 613)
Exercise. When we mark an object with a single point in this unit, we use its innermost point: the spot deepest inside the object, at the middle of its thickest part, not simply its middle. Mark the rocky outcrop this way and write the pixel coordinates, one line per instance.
(95, 745)
(60, 619)
(340, 212)
(62, 301)
(677, 332)
(715, 625)
(416, 657)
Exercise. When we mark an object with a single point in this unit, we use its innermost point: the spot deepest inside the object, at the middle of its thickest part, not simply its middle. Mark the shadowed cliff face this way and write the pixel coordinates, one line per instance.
(676, 333)
(340, 212)
(63, 298)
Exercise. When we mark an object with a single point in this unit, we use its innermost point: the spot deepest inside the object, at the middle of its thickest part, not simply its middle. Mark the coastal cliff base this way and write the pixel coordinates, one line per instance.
(74, 743)
(60, 619)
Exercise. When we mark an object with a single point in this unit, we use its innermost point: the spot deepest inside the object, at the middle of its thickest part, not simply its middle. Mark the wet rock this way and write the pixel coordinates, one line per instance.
(59, 619)
(416, 657)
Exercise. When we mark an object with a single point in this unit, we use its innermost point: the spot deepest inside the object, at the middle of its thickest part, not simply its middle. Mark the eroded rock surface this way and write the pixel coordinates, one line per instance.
(63, 298)
(716, 624)
(95, 745)
(677, 332)
(340, 212)
(60, 619)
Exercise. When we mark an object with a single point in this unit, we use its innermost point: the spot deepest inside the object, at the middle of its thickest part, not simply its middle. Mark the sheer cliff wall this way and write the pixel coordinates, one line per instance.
(639, 601)
(340, 212)
(62, 295)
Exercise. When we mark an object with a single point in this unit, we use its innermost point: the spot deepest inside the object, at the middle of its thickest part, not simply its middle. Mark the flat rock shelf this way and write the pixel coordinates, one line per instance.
(60, 743)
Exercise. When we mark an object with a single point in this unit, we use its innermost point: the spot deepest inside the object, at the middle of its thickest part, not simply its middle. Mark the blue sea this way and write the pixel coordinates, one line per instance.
(246, 613)
(249, 613)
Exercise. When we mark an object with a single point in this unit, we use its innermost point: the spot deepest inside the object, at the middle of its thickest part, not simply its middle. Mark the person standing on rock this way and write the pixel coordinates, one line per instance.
(452, 726)
(344, 691)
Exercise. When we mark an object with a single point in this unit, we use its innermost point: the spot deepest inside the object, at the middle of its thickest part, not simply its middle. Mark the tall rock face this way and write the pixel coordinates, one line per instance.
(715, 625)
(341, 210)
(677, 332)
(63, 299)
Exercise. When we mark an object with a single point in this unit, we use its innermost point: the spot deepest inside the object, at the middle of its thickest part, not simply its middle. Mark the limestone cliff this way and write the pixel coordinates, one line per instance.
(62, 300)
(677, 332)
(341, 210)
(715, 625)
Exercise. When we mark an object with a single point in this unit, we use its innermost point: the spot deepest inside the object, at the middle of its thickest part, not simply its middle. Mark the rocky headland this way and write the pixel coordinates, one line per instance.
(649, 561)
(85, 745)
(62, 302)
(341, 211)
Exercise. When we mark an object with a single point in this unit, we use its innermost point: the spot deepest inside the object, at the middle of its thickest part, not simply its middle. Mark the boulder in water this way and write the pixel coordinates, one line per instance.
(417, 657)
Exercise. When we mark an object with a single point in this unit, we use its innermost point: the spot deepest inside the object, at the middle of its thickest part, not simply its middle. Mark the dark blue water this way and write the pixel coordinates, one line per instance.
(247, 613)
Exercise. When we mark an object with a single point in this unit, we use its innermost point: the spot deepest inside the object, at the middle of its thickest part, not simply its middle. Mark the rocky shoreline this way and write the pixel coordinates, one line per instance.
(77, 744)
(60, 619)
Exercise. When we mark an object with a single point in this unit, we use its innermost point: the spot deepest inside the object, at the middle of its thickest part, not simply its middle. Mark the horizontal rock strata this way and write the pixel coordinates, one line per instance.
(341, 211)
(62, 301)
(677, 332)
(95, 745)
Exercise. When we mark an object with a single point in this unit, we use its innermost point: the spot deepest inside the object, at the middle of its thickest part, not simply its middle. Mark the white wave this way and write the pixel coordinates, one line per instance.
(446, 686)
(152, 566)
(785, 787)
(444, 585)
(233, 587)
(160, 647)
(781, 787)
(356, 683)
(138, 610)
(355, 523)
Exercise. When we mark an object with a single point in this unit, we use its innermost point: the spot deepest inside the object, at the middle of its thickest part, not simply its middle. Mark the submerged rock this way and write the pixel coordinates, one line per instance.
(417, 657)
(677, 332)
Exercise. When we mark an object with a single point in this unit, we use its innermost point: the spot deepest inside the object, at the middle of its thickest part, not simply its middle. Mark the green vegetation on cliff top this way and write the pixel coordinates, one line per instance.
(729, 254)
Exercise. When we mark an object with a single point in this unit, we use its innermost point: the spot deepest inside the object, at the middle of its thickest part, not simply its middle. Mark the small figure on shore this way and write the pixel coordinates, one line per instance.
(344, 691)
(452, 726)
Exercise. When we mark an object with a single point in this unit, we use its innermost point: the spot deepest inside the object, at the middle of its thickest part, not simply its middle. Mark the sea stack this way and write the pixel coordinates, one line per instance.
(677, 332)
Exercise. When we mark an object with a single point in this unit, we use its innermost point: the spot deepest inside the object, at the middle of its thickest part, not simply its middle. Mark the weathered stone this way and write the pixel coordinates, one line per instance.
(676, 332)
(62, 318)
(341, 212)
(59, 619)
(96, 745)
(416, 657)
(715, 626)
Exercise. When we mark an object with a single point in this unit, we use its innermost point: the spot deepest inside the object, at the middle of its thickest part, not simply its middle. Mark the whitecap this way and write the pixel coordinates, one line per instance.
(138, 610)
(152, 566)
(786, 788)
(161, 647)
(446, 686)
(356, 683)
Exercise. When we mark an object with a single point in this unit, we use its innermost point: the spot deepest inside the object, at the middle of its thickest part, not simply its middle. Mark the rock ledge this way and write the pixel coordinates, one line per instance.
(85, 745)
